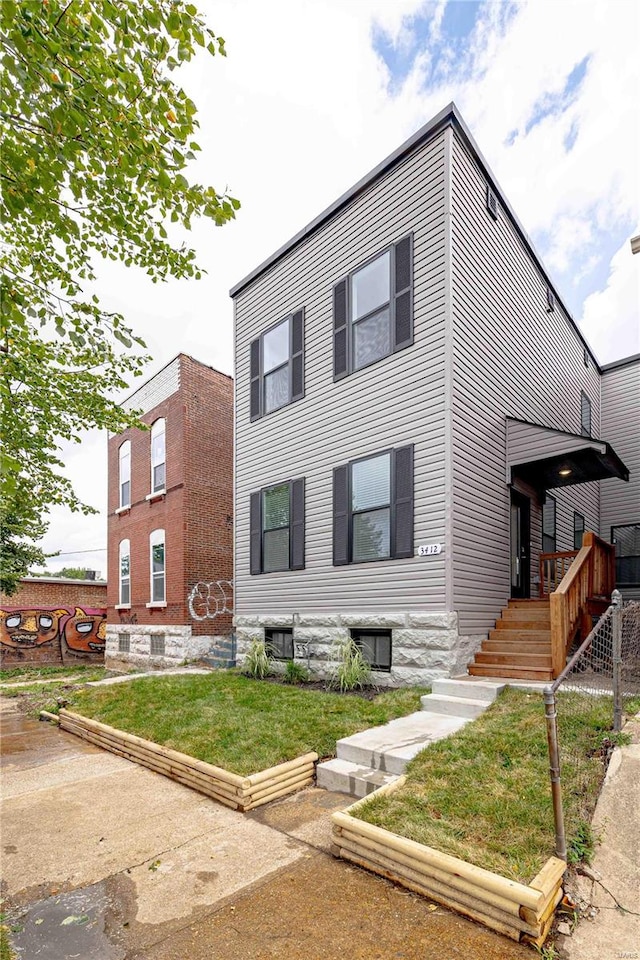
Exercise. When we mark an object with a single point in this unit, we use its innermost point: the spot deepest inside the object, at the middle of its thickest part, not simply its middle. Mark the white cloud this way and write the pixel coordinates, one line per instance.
(611, 317)
(302, 107)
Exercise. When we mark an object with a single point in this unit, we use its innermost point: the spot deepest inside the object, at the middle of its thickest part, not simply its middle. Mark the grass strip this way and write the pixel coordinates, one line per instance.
(483, 794)
(235, 722)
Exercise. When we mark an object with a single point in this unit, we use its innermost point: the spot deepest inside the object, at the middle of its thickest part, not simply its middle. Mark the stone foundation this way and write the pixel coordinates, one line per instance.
(424, 646)
(179, 645)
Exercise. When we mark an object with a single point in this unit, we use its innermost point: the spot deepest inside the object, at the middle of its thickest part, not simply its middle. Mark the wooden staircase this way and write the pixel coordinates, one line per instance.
(520, 645)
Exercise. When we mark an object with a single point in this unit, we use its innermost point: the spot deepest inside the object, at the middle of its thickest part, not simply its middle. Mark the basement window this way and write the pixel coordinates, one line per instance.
(124, 642)
(279, 643)
(375, 647)
(157, 644)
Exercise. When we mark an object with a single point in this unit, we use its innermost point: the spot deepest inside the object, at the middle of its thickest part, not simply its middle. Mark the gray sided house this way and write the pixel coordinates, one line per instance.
(417, 420)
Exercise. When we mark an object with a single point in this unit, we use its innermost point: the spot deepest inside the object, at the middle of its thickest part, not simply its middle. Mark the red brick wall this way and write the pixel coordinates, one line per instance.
(196, 510)
(209, 467)
(64, 603)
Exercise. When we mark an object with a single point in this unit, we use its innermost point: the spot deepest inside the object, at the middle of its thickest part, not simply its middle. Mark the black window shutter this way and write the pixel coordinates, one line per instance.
(340, 516)
(256, 405)
(255, 534)
(297, 355)
(403, 502)
(403, 292)
(340, 331)
(296, 525)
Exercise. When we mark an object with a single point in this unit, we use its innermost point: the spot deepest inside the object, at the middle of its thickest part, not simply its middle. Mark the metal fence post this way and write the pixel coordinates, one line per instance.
(550, 713)
(616, 657)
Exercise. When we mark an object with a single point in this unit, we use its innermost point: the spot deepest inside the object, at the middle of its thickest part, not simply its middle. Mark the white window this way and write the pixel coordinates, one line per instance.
(158, 460)
(125, 574)
(124, 473)
(157, 562)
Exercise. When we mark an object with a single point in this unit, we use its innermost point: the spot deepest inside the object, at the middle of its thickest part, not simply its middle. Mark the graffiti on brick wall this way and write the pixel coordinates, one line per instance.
(210, 600)
(77, 630)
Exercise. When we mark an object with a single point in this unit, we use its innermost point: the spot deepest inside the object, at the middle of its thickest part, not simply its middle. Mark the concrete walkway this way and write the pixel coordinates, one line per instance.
(103, 859)
(613, 934)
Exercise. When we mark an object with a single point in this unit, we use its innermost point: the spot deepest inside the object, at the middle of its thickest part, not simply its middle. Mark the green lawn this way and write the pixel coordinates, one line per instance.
(483, 794)
(22, 674)
(235, 722)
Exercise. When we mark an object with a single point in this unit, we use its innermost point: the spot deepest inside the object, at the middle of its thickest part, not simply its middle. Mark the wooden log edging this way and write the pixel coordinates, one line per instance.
(519, 911)
(239, 793)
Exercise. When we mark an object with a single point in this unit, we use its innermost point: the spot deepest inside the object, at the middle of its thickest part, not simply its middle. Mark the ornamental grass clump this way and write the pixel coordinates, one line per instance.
(257, 663)
(352, 672)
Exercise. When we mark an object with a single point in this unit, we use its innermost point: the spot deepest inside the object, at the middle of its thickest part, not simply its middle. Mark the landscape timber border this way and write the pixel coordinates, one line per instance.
(517, 910)
(235, 791)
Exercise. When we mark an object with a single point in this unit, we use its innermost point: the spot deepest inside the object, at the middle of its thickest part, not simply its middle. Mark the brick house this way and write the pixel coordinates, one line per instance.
(170, 520)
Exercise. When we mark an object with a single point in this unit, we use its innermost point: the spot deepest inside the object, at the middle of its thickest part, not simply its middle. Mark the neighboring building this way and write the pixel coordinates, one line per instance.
(620, 515)
(418, 418)
(53, 620)
(171, 520)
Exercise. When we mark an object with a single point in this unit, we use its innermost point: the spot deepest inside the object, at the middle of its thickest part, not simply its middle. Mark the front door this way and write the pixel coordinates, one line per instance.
(520, 545)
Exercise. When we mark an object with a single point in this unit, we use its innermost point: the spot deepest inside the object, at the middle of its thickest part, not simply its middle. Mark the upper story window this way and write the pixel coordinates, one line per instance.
(373, 310)
(373, 508)
(157, 566)
(277, 366)
(549, 525)
(158, 456)
(585, 415)
(277, 528)
(627, 541)
(124, 591)
(124, 474)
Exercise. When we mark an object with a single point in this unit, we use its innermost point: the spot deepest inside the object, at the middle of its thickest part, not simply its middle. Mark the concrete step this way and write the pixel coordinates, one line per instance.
(453, 706)
(516, 646)
(515, 658)
(473, 689)
(226, 645)
(345, 777)
(505, 671)
(392, 746)
(218, 662)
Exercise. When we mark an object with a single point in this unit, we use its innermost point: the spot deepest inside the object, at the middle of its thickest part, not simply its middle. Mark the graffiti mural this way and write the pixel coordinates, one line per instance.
(210, 600)
(49, 634)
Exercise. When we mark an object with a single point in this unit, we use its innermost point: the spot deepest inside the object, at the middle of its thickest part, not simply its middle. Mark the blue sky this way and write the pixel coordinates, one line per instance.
(314, 93)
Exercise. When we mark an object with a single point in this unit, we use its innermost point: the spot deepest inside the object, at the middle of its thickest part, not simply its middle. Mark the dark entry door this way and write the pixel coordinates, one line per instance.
(520, 545)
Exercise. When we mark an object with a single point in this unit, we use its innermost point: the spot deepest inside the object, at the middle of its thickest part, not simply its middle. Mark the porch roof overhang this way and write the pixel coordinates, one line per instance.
(546, 458)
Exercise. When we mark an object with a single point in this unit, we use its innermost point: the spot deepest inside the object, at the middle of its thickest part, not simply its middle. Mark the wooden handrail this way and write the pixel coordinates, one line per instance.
(591, 574)
(553, 567)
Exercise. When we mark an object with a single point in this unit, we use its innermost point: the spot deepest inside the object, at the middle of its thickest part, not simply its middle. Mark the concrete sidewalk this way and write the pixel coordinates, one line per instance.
(103, 859)
(613, 934)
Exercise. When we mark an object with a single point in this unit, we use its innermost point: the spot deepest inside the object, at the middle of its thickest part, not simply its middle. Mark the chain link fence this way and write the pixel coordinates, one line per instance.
(585, 710)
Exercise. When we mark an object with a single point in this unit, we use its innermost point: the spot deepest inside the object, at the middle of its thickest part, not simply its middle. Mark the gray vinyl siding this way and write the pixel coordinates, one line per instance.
(526, 442)
(510, 358)
(620, 502)
(396, 401)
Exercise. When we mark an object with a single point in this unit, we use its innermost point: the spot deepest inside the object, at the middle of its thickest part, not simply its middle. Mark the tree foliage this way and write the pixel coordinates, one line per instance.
(96, 137)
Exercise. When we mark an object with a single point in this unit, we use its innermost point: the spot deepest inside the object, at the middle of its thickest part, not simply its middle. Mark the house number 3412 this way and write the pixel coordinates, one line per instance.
(430, 550)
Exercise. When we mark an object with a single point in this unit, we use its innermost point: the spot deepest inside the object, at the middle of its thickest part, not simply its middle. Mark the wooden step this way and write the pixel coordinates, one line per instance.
(532, 604)
(524, 636)
(515, 659)
(513, 624)
(508, 672)
(515, 646)
(535, 614)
